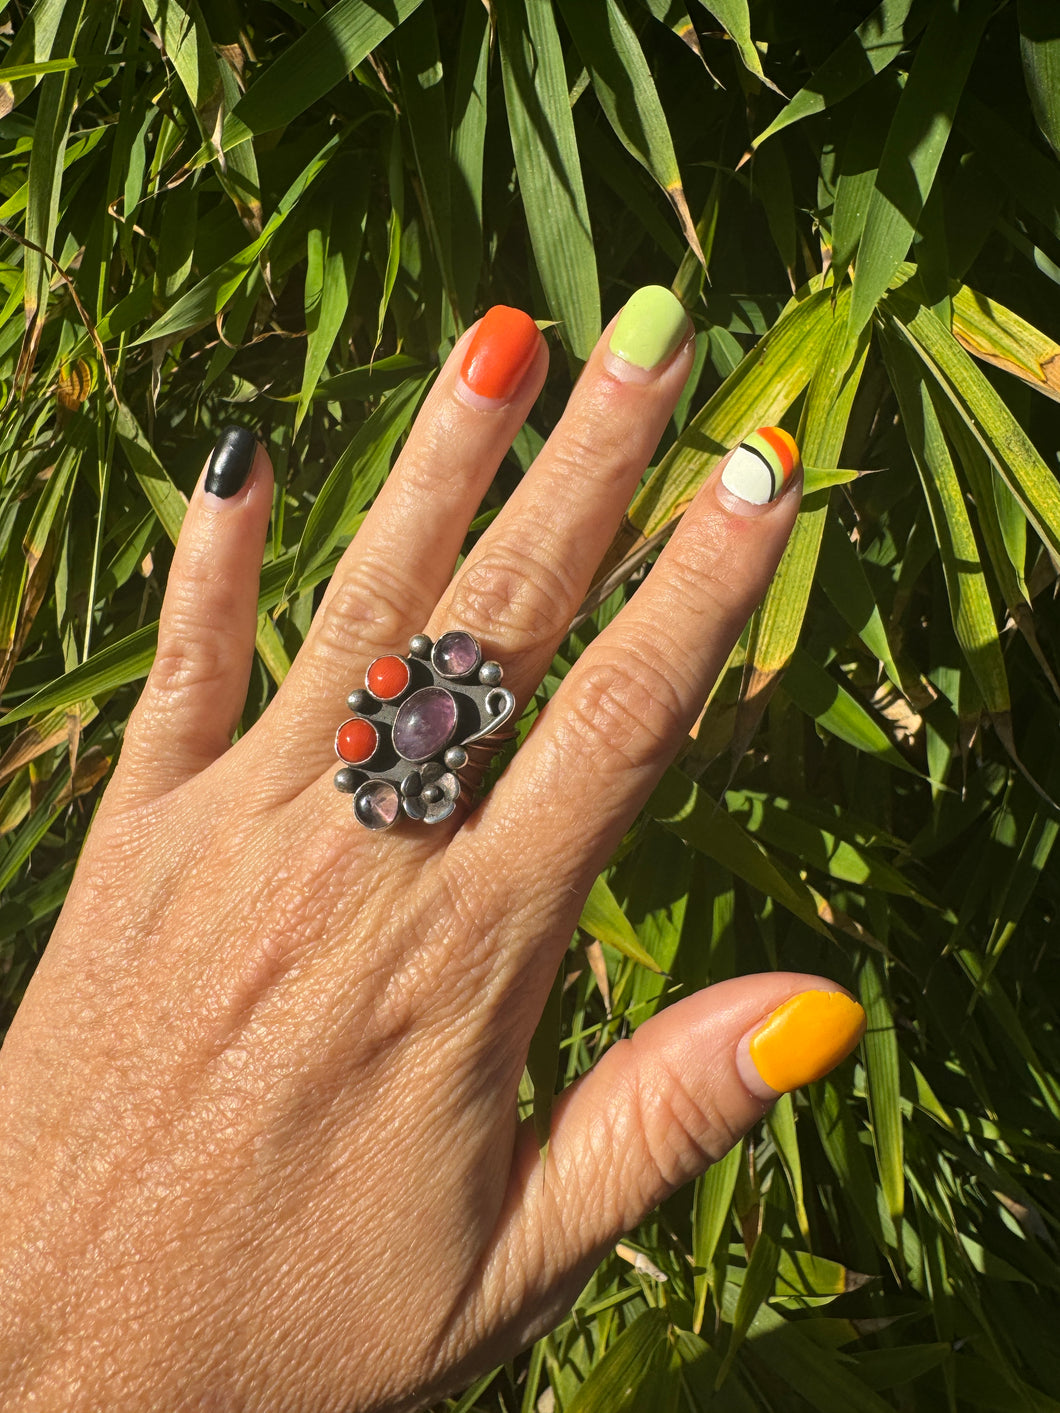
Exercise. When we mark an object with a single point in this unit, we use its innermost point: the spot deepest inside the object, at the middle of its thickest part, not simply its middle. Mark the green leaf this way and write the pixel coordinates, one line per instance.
(634, 1374)
(29, 56)
(736, 19)
(542, 1060)
(202, 303)
(622, 81)
(970, 607)
(1040, 51)
(329, 50)
(354, 480)
(834, 707)
(914, 147)
(876, 42)
(692, 815)
(880, 1049)
(467, 146)
(550, 177)
(988, 417)
(602, 918)
(333, 250)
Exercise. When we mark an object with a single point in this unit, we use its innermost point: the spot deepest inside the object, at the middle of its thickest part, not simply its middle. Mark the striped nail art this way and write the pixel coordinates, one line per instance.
(762, 465)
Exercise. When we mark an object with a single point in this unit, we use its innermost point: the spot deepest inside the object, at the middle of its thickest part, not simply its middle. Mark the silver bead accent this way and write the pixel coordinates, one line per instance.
(456, 757)
(490, 674)
(358, 699)
(420, 645)
(431, 794)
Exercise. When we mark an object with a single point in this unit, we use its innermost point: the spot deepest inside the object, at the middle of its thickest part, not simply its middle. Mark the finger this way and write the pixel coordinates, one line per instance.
(389, 580)
(197, 686)
(627, 704)
(522, 584)
(655, 1112)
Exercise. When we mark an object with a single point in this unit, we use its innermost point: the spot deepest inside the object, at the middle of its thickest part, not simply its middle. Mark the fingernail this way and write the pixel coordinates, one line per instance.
(762, 465)
(802, 1040)
(501, 351)
(230, 463)
(651, 328)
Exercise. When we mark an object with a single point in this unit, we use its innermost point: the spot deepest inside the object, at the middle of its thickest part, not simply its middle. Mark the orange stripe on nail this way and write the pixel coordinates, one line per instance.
(500, 353)
(785, 446)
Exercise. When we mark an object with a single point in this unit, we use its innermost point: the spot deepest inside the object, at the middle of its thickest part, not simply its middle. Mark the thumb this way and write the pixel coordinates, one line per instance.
(656, 1111)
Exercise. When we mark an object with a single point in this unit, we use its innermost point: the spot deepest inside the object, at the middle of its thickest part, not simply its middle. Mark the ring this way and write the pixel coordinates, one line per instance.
(418, 720)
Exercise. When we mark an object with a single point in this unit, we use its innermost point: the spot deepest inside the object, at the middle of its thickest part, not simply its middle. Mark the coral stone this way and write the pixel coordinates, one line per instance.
(356, 740)
(376, 804)
(425, 724)
(388, 677)
(456, 654)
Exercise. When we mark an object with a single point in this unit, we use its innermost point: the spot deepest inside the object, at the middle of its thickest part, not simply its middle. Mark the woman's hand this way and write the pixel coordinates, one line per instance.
(269, 1063)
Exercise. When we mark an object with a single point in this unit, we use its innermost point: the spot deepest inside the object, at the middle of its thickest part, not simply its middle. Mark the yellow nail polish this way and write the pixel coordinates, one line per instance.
(805, 1038)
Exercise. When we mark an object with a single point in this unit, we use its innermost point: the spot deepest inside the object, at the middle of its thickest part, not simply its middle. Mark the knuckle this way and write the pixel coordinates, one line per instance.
(510, 592)
(682, 1133)
(188, 662)
(366, 610)
(625, 713)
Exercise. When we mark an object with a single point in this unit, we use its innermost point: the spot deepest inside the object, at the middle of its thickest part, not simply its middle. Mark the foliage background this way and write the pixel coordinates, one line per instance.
(282, 214)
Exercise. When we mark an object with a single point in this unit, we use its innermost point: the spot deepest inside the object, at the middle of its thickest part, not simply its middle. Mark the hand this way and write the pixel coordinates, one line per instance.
(269, 1062)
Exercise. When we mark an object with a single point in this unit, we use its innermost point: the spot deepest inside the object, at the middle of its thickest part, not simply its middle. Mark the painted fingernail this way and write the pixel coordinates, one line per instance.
(762, 465)
(805, 1038)
(230, 463)
(503, 348)
(649, 331)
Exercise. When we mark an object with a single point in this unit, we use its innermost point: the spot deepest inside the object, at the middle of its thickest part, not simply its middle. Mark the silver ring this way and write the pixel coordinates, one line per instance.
(417, 723)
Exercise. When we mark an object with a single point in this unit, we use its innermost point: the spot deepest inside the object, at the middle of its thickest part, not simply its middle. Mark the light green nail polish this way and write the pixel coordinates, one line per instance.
(650, 327)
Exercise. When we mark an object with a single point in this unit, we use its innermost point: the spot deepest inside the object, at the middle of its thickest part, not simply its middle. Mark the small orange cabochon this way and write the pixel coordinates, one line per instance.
(500, 352)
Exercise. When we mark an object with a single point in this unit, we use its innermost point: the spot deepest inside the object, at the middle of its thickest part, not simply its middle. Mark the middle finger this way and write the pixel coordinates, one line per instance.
(522, 584)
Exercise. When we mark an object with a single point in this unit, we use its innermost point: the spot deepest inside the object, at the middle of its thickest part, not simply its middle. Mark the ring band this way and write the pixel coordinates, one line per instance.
(416, 723)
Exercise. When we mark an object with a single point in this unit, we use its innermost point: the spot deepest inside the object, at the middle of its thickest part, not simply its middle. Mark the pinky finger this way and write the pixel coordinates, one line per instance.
(197, 685)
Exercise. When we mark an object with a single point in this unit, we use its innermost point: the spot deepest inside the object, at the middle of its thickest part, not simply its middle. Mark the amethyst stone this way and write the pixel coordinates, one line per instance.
(456, 654)
(425, 723)
(376, 804)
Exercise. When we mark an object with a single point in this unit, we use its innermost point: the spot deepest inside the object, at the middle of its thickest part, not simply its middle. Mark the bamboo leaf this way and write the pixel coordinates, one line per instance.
(602, 918)
(868, 49)
(329, 50)
(816, 692)
(623, 84)
(1040, 50)
(203, 302)
(637, 1361)
(692, 815)
(550, 177)
(466, 155)
(988, 417)
(880, 1049)
(735, 16)
(998, 336)
(353, 481)
(914, 146)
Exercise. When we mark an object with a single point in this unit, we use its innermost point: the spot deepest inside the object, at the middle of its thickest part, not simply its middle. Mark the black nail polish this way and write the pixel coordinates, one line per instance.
(230, 464)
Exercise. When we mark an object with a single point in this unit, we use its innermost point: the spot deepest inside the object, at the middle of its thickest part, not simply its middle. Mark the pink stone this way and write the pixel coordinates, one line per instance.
(376, 804)
(424, 724)
(456, 654)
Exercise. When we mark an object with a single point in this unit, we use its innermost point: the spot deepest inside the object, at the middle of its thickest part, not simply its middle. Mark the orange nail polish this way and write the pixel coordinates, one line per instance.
(500, 353)
(805, 1038)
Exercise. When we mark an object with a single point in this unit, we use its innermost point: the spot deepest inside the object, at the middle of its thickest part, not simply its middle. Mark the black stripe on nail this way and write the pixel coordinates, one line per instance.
(765, 462)
(230, 464)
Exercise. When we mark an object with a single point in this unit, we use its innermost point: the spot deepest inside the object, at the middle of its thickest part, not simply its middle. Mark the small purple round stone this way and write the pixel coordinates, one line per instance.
(456, 654)
(376, 804)
(424, 724)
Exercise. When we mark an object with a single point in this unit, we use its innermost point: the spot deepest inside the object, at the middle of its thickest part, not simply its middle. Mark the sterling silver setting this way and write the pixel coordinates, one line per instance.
(417, 723)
